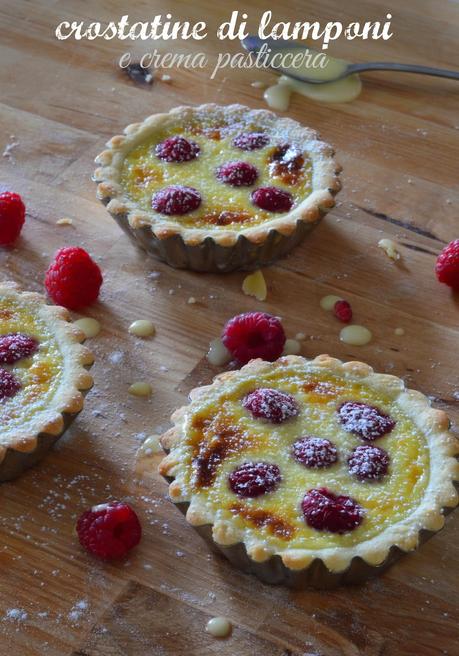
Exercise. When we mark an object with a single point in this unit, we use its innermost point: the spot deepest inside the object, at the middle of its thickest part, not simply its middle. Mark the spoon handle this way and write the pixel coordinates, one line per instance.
(402, 68)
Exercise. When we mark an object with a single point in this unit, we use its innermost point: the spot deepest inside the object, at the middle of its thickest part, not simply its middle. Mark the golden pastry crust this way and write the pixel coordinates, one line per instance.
(439, 494)
(67, 399)
(325, 181)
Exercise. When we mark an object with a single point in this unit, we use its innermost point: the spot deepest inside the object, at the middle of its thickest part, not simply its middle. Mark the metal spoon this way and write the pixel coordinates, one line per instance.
(253, 44)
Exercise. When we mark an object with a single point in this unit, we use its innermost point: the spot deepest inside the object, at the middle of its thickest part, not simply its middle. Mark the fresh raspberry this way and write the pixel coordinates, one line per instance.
(237, 174)
(254, 335)
(447, 266)
(315, 452)
(272, 199)
(368, 463)
(251, 140)
(326, 511)
(176, 199)
(177, 149)
(364, 420)
(252, 479)
(9, 385)
(73, 279)
(109, 530)
(343, 311)
(271, 404)
(15, 346)
(12, 217)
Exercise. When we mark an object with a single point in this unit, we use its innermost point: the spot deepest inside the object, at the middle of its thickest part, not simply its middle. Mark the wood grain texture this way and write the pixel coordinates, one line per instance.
(399, 147)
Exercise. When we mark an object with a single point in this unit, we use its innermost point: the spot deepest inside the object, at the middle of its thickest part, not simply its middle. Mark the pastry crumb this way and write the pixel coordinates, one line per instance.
(191, 300)
(390, 248)
(64, 221)
(255, 285)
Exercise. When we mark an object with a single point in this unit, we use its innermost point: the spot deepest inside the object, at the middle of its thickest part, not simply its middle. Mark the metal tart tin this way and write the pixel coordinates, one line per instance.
(16, 462)
(316, 575)
(208, 256)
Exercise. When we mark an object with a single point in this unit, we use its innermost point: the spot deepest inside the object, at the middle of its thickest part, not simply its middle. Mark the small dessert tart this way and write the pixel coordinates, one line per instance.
(42, 376)
(214, 188)
(311, 472)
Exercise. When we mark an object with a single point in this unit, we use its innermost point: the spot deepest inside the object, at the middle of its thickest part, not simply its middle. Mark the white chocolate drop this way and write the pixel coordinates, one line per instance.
(90, 326)
(399, 331)
(144, 465)
(390, 248)
(278, 96)
(219, 627)
(140, 388)
(255, 285)
(291, 347)
(355, 335)
(345, 90)
(328, 302)
(142, 328)
(218, 354)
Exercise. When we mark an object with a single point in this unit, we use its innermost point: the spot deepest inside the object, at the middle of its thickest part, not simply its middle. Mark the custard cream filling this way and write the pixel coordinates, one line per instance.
(39, 375)
(221, 430)
(143, 174)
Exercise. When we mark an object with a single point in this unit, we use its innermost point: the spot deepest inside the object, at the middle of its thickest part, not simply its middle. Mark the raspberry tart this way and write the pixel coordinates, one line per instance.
(311, 472)
(217, 188)
(42, 377)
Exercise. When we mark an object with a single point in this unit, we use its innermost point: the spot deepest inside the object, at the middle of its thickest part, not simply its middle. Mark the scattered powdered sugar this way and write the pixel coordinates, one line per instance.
(78, 610)
(16, 615)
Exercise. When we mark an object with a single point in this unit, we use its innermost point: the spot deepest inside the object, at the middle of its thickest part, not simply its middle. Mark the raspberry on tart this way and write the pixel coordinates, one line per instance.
(276, 498)
(254, 335)
(183, 185)
(9, 385)
(237, 174)
(272, 199)
(177, 149)
(368, 463)
(315, 452)
(16, 346)
(366, 421)
(251, 140)
(326, 511)
(271, 404)
(253, 479)
(176, 199)
(42, 377)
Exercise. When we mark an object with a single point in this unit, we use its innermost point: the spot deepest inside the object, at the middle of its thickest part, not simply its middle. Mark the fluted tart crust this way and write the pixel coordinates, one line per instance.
(346, 405)
(43, 385)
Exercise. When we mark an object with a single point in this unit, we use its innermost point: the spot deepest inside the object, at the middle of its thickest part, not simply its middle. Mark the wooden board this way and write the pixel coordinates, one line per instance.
(399, 147)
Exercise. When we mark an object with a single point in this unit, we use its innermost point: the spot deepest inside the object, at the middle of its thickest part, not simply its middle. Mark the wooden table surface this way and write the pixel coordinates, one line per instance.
(398, 144)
